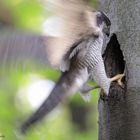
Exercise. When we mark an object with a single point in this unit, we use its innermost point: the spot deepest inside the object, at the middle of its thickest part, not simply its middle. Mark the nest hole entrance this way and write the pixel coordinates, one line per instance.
(113, 57)
(114, 64)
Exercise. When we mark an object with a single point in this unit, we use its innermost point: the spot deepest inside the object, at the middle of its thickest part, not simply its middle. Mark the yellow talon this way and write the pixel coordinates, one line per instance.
(118, 78)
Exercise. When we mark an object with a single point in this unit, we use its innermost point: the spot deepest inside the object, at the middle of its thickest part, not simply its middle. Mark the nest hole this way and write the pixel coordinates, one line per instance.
(114, 64)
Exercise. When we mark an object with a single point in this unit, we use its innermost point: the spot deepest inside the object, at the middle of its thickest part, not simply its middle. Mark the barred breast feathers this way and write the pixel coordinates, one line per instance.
(78, 21)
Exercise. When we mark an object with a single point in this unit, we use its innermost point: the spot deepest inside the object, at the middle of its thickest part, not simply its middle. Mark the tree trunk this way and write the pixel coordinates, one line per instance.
(119, 118)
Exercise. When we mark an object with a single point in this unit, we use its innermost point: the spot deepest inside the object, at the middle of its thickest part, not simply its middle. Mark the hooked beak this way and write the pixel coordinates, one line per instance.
(107, 22)
(106, 19)
(107, 30)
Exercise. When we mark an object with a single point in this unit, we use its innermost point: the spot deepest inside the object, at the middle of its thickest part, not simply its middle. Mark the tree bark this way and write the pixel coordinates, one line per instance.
(120, 119)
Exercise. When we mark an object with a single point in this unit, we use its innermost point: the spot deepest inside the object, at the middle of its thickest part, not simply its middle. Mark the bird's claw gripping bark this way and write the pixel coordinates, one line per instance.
(118, 78)
(115, 96)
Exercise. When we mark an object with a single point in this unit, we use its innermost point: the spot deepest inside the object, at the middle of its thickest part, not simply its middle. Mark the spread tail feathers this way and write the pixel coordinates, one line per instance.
(59, 93)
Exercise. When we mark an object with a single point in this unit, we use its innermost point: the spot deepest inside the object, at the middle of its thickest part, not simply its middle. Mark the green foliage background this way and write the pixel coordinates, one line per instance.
(30, 14)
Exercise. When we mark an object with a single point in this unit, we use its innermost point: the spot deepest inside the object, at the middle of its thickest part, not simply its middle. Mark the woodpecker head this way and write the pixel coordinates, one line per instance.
(103, 22)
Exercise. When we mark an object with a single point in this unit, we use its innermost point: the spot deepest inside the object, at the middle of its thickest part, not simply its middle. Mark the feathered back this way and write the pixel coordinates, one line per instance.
(77, 21)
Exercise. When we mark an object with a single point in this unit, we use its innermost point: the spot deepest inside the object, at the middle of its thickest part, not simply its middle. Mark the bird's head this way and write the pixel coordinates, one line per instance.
(103, 22)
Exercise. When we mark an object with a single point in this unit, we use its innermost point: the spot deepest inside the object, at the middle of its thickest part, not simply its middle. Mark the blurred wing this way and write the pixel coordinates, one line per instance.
(72, 21)
(53, 27)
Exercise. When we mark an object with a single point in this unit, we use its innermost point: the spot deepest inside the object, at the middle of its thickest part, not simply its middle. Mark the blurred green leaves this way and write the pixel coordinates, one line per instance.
(27, 14)
(30, 14)
(57, 125)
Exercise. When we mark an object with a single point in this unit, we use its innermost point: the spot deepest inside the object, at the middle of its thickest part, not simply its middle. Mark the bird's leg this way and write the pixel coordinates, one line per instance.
(86, 88)
(85, 92)
(118, 78)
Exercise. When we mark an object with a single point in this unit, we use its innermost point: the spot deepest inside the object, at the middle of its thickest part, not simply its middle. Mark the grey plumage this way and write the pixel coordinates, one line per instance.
(73, 20)
(84, 61)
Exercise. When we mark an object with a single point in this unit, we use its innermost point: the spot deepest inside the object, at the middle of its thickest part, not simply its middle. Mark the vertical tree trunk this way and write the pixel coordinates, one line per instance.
(120, 120)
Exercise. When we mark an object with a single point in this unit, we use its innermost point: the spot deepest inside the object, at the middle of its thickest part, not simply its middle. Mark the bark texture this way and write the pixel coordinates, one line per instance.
(120, 119)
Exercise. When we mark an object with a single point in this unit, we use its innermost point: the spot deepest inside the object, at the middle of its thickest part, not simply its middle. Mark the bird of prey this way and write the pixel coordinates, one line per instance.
(84, 62)
(72, 21)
